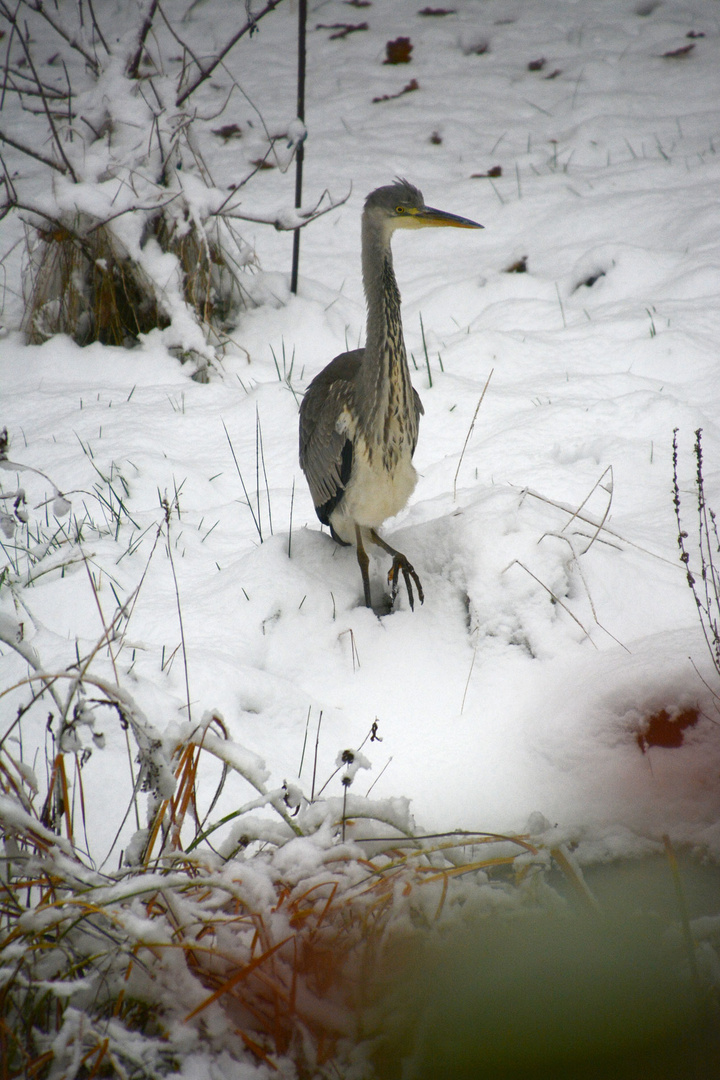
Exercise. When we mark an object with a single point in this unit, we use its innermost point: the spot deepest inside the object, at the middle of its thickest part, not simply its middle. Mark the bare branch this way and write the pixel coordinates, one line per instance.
(9, 186)
(287, 220)
(152, 208)
(183, 45)
(25, 42)
(205, 73)
(134, 64)
(96, 25)
(12, 74)
(38, 7)
(32, 153)
(7, 55)
(61, 227)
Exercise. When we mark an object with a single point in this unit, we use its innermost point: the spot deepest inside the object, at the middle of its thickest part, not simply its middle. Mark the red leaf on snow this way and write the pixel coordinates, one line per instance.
(662, 729)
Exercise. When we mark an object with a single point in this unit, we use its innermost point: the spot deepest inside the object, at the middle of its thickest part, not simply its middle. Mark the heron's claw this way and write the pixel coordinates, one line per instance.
(401, 564)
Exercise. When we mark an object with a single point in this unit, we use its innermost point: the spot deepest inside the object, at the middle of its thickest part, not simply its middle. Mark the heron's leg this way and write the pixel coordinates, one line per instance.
(364, 562)
(400, 564)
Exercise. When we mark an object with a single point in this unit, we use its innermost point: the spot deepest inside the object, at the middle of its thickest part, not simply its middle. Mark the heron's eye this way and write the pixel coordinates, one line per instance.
(399, 209)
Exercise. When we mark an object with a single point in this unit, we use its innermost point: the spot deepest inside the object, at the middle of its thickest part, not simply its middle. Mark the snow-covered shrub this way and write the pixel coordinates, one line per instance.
(270, 948)
(126, 229)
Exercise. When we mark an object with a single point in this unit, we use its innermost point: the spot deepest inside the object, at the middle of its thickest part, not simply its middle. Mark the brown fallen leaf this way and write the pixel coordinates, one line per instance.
(437, 11)
(341, 29)
(228, 131)
(490, 174)
(678, 54)
(398, 51)
(478, 49)
(537, 65)
(412, 85)
(519, 267)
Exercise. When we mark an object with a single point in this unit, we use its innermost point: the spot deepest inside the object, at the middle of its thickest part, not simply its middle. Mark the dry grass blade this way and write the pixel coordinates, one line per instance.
(578, 566)
(605, 529)
(555, 597)
(238, 977)
(608, 487)
(575, 879)
(470, 431)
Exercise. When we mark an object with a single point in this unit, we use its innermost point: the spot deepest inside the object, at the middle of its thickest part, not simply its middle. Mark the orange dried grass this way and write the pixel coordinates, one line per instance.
(292, 980)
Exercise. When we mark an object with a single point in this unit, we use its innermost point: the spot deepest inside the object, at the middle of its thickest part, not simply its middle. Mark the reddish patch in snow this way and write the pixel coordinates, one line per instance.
(662, 729)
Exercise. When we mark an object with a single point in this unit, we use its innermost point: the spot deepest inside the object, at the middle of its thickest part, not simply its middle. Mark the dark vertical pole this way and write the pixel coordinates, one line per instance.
(300, 152)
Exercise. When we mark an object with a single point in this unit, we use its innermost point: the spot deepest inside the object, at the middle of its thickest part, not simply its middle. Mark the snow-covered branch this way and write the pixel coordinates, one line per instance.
(291, 218)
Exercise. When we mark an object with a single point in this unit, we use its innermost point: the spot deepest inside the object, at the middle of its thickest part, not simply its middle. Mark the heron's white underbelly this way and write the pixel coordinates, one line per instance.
(373, 494)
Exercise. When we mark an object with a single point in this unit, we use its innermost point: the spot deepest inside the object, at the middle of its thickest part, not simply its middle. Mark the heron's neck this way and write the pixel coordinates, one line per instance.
(385, 357)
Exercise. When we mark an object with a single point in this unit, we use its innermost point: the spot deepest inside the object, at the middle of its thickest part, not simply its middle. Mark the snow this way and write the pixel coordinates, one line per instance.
(557, 616)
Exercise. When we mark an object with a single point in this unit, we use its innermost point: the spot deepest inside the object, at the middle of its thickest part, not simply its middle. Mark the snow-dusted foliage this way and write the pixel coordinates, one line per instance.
(264, 948)
(127, 231)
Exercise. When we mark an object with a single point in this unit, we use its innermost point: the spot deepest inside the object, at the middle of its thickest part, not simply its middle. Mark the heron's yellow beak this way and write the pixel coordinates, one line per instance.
(428, 216)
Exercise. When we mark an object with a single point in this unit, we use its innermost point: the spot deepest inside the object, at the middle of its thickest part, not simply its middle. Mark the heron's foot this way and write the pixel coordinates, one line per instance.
(401, 565)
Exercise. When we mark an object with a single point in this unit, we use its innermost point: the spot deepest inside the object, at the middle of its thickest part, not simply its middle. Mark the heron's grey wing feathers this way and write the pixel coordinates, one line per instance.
(419, 411)
(326, 453)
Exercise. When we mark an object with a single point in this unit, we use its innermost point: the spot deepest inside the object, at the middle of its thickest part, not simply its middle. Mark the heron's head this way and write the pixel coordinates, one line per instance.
(401, 206)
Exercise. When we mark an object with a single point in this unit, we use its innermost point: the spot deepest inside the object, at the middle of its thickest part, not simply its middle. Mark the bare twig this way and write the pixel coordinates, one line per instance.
(25, 43)
(96, 26)
(287, 221)
(42, 10)
(555, 597)
(707, 594)
(470, 431)
(608, 487)
(205, 73)
(183, 44)
(590, 521)
(576, 562)
(4, 137)
(132, 68)
(26, 88)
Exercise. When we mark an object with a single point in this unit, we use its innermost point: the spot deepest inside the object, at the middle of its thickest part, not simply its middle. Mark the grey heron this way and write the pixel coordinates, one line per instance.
(359, 417)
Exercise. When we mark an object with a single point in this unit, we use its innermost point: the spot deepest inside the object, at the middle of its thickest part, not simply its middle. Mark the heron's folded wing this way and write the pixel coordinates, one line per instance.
(326, 423)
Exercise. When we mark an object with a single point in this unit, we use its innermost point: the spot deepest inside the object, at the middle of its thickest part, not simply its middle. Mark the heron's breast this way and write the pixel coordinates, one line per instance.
(375, 492)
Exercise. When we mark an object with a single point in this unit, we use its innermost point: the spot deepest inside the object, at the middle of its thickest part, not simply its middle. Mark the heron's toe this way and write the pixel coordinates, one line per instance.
(401, 565)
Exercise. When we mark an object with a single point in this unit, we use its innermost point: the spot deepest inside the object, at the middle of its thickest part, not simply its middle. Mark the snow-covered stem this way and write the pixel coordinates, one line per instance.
(134, 63)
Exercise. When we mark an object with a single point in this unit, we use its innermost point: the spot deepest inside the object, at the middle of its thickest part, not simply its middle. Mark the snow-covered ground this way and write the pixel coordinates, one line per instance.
(557, 618)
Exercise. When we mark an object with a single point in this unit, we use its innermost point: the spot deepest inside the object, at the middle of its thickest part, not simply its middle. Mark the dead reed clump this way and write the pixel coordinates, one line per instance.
(80, 282)
(212, 259)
